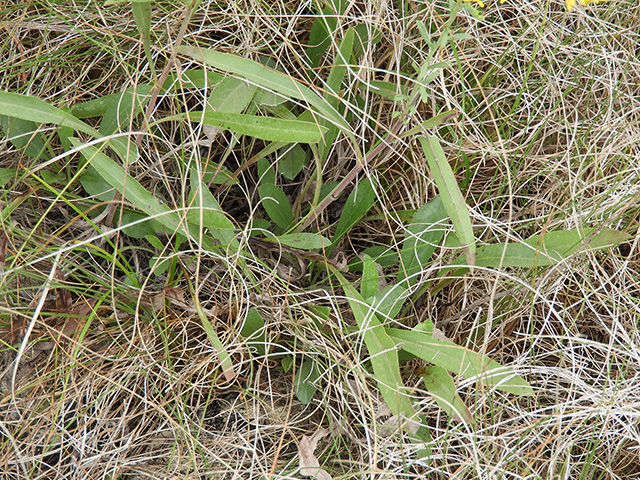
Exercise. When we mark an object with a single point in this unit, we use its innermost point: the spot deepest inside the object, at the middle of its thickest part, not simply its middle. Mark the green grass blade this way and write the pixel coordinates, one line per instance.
(459, 360)
(451, 195)
(264, 128)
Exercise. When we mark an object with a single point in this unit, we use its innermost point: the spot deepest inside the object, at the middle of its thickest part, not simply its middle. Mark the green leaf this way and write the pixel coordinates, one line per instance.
(24, 136)
(292, 162)
(388, 302)
(548, 248)
(122, 107)
(276, 204)
(370, 279)
(422, 238)
(333, 86)
(360, 201)
(95, 185)
(205, 210)
(253, 332)
(304, 241)
(96, 107)
(226, 362)
(264, 128)
(451, 195)
(136, 194)
(196, 78)
(459, 360)
(304, 382)
(440, 385)
(382, 353)
(266, 78)
(287, 363)
(142, 15)
(432, 122)
(231, 95)
(7, 174)
(39, 111)
(383, 256)
(143, 226)
(217, 174)
(159, 265)
(389, 90)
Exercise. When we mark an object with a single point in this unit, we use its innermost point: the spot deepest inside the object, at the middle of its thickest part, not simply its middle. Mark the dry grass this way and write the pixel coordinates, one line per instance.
(547, 138)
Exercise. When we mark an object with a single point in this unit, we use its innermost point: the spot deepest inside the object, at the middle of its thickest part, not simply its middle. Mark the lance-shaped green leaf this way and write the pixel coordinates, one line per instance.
(459, 360)
(38, 111)
(451, 195)
(440, 385)
(422, 238)
(265, 128)
(382, 352)
(136, 194)
(360, 201)
(548, 248)
(266, 78)
(304, 241)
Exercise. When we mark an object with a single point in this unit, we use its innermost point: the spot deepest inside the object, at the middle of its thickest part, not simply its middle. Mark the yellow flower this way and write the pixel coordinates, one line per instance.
(479, 2)
(571, 3)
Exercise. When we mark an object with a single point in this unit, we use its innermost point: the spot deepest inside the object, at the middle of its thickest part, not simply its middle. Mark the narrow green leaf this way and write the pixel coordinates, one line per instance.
(264, 128)
(451, 195)
(389, 90)
(304, 382)
(459, 360)
(548, 248)
(231, 95)
(360, 201)
(440, 385)
(142, 16)
(205, 210)
(38, 111)
(334, 84)
(305, 241)
(370, 278)
(277, 205)
(382, 351)
(422, 238)
(253, 332)
(135, 193)
(432, 122)
(266, 78)
(226, 362)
